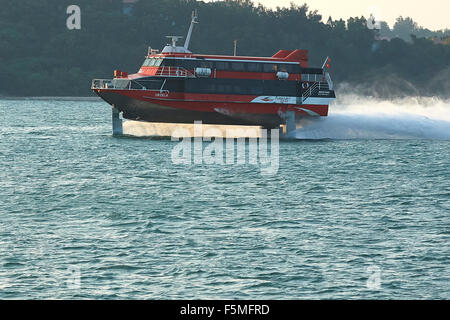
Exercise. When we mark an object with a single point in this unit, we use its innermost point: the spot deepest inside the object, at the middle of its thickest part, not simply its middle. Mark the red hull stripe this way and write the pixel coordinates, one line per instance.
(213, 103)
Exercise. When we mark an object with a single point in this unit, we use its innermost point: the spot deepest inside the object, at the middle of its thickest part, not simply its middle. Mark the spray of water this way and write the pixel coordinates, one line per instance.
(358, 117)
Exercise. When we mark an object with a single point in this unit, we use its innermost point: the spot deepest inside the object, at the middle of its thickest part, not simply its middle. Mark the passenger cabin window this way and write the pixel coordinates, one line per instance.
(283, 67)
(222, 65)
(292, 68)
(254, 67)
(269, 67)
(206, 64)
(242, 86)
(237, 66)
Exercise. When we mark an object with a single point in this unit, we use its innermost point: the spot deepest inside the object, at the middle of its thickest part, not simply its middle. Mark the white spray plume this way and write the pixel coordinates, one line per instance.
(358, 117)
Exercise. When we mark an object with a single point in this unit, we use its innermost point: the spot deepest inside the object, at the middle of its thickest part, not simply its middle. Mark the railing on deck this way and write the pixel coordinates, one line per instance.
(113, 84)
(101, 84)
(122, 84)
(314, 88)
(167, 71)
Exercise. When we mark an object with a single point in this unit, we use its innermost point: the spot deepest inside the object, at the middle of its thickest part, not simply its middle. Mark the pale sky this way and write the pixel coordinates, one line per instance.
(431, 14)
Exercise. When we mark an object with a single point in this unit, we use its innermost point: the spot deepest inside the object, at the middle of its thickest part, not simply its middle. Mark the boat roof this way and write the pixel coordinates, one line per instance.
(286, 56)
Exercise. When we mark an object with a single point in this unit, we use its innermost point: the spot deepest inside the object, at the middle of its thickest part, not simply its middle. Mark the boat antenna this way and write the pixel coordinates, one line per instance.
(188, 37)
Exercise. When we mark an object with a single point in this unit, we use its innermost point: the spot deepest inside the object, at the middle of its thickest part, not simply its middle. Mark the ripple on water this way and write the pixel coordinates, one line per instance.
(118, 213)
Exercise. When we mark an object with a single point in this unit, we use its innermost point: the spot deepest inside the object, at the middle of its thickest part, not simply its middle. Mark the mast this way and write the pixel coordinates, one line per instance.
(188, 37)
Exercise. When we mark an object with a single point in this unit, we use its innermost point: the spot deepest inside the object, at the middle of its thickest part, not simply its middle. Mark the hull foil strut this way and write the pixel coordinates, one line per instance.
(117, 128)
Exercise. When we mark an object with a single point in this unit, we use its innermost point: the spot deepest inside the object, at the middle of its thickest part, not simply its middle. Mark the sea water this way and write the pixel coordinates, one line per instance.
(359, 208)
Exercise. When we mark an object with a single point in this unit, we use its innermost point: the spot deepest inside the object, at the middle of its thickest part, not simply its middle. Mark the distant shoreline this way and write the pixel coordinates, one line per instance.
(68, 98)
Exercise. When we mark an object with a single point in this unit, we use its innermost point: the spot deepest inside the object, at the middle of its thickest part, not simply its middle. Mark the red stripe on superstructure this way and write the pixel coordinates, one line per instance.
(152, 71)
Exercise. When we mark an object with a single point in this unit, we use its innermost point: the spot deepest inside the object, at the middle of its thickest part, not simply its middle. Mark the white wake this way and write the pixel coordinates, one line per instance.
(357, 117)
(350, 117)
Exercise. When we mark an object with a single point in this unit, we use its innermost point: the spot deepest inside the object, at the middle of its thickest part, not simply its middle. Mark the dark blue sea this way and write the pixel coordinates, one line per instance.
(359, 208)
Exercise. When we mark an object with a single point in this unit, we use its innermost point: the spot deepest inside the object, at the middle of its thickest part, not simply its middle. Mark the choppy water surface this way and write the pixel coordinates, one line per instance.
(87, 215)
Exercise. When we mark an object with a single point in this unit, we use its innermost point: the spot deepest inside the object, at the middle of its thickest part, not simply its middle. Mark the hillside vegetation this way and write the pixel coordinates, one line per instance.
(40, 56)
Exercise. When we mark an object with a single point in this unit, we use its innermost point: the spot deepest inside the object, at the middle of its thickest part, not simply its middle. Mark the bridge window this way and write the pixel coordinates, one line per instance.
(152, 62)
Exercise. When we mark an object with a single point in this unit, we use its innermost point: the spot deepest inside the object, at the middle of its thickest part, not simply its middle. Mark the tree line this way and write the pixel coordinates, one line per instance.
(40, 56)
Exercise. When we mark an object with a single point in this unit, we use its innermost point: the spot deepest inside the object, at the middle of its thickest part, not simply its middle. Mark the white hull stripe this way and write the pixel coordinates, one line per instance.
(291, 100)
(275, 99)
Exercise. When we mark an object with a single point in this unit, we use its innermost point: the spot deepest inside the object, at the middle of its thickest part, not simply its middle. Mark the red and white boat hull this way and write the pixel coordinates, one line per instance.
(154, 106)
